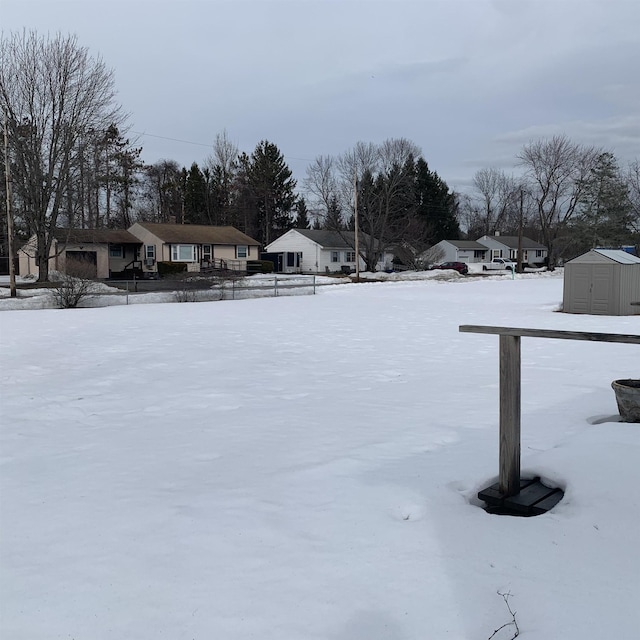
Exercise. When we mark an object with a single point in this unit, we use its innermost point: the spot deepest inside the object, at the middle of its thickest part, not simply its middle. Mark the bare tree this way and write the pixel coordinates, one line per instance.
(223, 167)
(322, 186)
(557, 170)
(53, 94)
(496, 193)
(384, 176)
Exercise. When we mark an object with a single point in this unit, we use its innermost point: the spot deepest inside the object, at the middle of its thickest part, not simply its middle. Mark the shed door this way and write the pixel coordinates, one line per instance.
(580, 295)
(592, 290)
(602, 290)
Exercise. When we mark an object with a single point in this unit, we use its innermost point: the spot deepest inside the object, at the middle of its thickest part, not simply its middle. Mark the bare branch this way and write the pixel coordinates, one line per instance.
(513, 622)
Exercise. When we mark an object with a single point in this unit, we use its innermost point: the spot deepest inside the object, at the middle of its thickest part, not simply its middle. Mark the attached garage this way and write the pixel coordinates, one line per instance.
(82, 264)
(602, 282)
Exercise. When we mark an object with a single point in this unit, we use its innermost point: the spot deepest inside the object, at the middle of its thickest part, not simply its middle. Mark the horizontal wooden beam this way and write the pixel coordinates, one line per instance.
(551, 333)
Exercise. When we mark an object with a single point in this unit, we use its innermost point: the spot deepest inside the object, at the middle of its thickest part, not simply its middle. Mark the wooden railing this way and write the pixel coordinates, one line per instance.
(509, 472)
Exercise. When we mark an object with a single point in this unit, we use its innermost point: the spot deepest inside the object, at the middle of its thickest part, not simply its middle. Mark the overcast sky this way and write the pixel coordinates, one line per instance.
(469, 81)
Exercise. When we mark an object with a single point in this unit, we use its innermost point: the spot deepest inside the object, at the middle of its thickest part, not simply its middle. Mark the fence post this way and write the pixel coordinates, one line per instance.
(127, 292)
(509, 415)
(233, 289)
(314, 285)
(275, 286)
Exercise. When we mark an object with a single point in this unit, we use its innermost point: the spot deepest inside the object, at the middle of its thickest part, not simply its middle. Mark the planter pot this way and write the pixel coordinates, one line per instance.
(628, 399)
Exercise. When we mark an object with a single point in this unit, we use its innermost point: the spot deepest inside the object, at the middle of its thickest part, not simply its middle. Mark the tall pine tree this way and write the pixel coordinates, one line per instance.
(272, 187)
(605, 217)
(436, 206)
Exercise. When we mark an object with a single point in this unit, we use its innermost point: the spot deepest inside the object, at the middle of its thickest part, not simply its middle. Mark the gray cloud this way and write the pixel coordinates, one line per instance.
(469, 82)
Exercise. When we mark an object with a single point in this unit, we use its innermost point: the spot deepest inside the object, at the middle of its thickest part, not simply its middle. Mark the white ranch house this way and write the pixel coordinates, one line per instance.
(467, 251)
(318, 251)
(533, 253)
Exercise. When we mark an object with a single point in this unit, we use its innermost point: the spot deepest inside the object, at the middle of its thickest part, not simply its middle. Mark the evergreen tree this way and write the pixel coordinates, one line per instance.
(436, 206)
(333, 218)
(272, 190)
(127, 169)
(161, 192)
(195, 197)
(302, 218)
(605, 216)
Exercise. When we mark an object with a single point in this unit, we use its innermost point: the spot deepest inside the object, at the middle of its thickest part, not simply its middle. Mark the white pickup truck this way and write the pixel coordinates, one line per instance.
(499, 264)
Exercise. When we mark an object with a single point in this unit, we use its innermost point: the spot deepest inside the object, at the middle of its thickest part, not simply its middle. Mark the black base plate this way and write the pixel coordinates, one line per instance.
(533, 499)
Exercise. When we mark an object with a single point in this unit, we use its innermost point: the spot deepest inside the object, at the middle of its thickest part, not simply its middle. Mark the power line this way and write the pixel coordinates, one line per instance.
(151, 135)
(200, 144)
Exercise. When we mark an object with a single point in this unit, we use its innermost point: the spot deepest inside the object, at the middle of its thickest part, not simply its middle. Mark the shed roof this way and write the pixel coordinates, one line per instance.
(615, 255)
(197, 234)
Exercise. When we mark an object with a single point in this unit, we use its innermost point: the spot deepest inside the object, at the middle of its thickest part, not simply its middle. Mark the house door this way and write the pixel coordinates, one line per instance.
(82, 264)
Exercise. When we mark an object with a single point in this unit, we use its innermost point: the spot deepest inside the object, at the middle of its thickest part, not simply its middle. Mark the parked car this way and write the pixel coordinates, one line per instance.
(460, 267)
(498, 264)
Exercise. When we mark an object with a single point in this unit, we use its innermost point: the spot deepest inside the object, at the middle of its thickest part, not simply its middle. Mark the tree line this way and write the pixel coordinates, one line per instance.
(571, 197)
(71, 164)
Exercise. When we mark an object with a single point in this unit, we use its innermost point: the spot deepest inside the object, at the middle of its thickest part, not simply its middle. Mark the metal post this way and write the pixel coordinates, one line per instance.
(509, 479)
(356, 225)
(7, 177)
(127, 292)
(314, 285)
(275, 286)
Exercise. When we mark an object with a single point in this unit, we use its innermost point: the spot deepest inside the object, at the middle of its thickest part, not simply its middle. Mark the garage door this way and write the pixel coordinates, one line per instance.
(82, 264)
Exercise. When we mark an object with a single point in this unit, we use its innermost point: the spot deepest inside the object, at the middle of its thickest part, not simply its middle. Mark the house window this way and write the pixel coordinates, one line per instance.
(150, 251)
(242, 251)
(206, 252)
(538, 253)
(293, 258)
(349, 256)
(335, 256)
(478, 253)
(183, 253)
(116, 251)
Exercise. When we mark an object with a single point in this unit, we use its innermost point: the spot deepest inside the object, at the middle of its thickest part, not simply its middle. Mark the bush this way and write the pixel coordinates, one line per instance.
(171, 268)
(260, 266)
(74, 286)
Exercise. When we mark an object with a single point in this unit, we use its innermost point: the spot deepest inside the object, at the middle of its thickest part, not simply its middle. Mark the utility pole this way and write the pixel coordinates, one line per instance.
(355, 223)
(519, 265)
(7, 178)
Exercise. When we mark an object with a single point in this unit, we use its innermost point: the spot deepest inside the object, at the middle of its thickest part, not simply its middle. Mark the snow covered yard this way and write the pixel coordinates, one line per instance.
(306, 467)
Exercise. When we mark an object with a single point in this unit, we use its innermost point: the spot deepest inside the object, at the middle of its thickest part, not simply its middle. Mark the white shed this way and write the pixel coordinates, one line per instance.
(602, 282)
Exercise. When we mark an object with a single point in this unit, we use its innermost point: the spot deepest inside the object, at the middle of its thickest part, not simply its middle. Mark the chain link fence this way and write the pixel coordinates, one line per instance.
(202, 289)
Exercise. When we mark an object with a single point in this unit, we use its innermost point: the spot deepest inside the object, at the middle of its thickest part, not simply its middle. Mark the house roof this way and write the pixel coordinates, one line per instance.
(95, 236)
(512, 242)
(332, 239)
(197, 234)
(468, 244)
